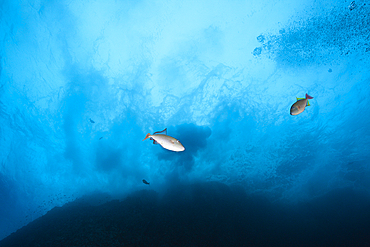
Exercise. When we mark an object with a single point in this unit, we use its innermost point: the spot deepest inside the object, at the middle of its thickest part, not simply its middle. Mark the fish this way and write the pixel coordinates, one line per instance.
(299, 106)
(352, 5)
(167, 142)
(146, 182)
(92, 121)
(100, 138)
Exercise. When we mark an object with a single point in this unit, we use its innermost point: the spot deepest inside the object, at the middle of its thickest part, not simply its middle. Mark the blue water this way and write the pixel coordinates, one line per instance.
(83, 82)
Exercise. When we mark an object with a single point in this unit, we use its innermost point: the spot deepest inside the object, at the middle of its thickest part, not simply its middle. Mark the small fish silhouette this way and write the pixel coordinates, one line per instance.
(352, 6)
(145, 182)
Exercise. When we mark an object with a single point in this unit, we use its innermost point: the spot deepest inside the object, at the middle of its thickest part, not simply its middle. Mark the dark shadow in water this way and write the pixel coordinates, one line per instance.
(203, 214)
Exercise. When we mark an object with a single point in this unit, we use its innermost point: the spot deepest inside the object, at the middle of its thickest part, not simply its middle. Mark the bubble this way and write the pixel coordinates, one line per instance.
(261, 38)
(257, 51)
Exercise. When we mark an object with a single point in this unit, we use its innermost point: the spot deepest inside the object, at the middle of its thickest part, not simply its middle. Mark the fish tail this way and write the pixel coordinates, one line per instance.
(308, 96)
(146, 136)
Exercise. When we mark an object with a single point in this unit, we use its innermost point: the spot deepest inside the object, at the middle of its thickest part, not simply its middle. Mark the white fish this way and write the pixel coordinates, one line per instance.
(165, 141)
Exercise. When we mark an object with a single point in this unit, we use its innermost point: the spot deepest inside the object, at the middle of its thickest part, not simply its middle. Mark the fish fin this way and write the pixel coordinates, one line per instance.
(308, 103)
(308, 96)
(146, 136)
(154, 141)
(163, 132)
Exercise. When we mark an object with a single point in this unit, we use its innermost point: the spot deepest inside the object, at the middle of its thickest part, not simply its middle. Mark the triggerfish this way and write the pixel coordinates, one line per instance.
(165, 141)
(299, 106)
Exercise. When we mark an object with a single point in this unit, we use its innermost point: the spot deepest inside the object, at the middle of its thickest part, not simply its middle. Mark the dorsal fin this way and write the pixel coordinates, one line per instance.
(163, 132)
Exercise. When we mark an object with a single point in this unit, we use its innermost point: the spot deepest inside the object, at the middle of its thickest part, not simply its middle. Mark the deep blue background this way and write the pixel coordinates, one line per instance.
(220, 76)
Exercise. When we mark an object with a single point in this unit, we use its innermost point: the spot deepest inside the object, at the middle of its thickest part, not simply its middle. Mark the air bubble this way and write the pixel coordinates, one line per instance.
(261, 38)
(257, 51)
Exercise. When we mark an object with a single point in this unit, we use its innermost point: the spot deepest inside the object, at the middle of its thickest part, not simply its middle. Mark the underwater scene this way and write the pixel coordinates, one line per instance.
(184, 123)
